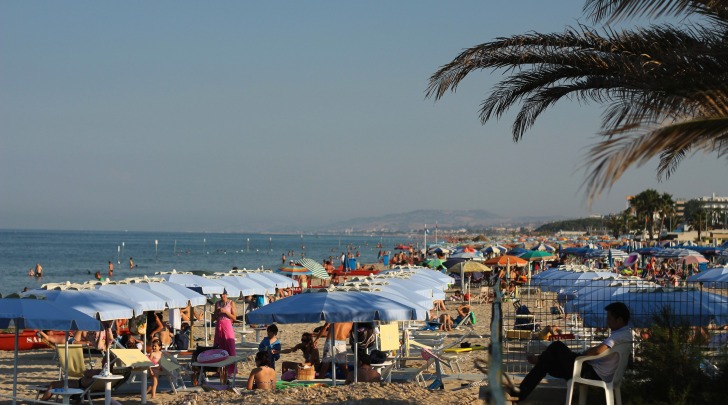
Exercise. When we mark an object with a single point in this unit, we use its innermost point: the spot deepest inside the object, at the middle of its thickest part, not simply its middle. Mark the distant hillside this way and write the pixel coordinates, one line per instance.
(579, 225)
(415, 220)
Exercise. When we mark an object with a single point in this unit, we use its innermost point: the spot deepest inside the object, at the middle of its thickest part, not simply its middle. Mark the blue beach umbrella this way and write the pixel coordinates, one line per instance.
(335, 306)
(31, 313)
(690, 307)
(97, 304)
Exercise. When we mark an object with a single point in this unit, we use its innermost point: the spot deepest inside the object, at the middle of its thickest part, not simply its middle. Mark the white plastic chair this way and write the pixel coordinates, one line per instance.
(612, 388)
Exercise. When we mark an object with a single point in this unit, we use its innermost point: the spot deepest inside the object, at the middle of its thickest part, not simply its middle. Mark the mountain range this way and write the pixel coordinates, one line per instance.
(416, 221)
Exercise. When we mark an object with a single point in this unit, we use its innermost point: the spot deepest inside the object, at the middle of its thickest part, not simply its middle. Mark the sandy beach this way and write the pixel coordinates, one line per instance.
(39, 367)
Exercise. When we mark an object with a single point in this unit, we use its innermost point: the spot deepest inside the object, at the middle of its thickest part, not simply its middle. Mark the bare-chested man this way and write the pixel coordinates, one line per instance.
(342, 331)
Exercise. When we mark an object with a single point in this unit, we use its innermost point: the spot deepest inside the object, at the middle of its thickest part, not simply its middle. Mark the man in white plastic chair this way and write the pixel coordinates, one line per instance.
(558, 360)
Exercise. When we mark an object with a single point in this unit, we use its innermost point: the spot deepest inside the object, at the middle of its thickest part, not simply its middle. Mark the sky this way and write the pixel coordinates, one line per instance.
(241, 115)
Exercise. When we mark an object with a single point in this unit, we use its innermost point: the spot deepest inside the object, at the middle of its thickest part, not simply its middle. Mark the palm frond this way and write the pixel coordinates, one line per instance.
(610, 158)
(615, 10)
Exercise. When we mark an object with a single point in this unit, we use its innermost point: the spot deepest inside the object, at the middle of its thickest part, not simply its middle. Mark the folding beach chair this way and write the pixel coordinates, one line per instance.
(412, 373)
(170, 368)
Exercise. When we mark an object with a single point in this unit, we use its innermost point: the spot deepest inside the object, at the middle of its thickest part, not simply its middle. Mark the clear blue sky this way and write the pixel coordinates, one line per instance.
(232, 115)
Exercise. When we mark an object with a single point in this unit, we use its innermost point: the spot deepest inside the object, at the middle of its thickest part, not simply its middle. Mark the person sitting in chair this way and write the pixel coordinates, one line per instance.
(558, 360)
(365, 371)
(446, 321)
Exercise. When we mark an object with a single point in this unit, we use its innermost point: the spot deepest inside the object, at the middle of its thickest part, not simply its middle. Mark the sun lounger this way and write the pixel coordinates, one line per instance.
(137, 361)
(412, 373)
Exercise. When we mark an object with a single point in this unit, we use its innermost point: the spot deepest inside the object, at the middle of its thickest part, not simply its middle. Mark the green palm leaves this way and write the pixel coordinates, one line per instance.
(664, 88)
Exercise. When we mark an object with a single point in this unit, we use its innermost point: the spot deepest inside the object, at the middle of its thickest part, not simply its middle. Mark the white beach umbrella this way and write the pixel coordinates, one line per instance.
(193, 281)
(176, 296)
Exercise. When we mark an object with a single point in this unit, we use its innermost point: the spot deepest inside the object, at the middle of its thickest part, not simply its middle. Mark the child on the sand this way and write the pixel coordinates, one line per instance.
(155, 356)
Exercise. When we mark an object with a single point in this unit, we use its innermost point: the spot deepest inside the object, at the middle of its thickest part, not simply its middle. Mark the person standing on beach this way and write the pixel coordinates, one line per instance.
(342, 331)
(224, 334)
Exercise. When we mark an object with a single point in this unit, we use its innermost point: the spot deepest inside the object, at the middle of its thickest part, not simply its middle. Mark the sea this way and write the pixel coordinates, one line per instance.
(76, 255)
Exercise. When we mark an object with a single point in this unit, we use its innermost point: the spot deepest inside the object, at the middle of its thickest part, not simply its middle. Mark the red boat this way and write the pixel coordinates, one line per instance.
(27, 340)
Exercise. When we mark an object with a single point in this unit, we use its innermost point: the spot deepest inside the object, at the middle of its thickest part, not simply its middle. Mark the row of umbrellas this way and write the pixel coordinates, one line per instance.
(587, 292)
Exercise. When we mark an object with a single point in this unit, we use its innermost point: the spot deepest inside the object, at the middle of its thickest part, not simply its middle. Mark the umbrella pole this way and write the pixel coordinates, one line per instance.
(65, 374)
(15, 362)
(356, 353)
(332, 354)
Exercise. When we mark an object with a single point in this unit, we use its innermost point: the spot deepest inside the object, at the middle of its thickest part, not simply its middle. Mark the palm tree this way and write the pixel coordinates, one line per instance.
(646, 204)
(620, 224)
(665, 88)
(666, 209)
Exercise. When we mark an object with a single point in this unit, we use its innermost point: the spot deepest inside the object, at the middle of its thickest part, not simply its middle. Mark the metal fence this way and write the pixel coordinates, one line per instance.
(568, 303)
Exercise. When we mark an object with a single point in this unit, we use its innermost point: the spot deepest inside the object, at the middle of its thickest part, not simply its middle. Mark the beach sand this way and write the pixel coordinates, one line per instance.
(38, 367)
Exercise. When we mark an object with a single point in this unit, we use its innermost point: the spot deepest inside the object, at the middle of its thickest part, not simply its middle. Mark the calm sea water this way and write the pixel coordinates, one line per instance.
(76, 255)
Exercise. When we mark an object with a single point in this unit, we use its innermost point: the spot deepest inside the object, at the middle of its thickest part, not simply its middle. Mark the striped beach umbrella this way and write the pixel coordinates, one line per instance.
(317, 270)
(294, 271)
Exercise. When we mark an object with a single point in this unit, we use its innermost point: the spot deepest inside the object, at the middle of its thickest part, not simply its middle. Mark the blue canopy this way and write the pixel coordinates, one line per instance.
(688, 306)
(335, 306)
(29, 313)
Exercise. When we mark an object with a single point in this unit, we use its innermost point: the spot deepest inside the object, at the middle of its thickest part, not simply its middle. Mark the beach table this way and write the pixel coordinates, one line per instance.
(137, 361)
(66, 393)
(107, 379)
(223, 363)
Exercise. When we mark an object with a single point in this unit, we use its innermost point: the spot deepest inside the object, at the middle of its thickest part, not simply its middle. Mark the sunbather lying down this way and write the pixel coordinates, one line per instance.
(546, 332)
(82, 383)
(446, 321)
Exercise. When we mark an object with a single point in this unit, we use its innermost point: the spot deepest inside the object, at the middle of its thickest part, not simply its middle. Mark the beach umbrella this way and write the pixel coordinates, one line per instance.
(536, 255)
(232, 289)
(495, 249)
(572, 278)
(689, 306)
(272, 280)
(177, 296)
(335, 306)
(506, 259)
(149, 300)
(294, 271)
(29, 313)
(440, 279)
(317, 270)
(518, 251)
(247, 285)
(467, 255)
(193, 282)
(467, 267)
(709, 275)
(96, 304)
(438, 250)
(606, 253)
(544, 247)
(688, 260)
(414, 284)
(674, 253)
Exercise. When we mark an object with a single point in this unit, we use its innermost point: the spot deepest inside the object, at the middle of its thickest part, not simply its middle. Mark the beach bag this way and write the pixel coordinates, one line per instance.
(182, 341)
(138, 325)
(364, 336)
(378, 357)
(289, 375)
(212, 356)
